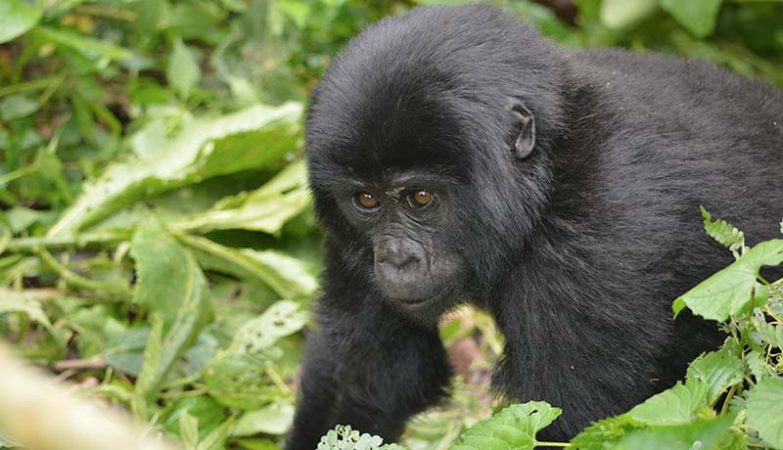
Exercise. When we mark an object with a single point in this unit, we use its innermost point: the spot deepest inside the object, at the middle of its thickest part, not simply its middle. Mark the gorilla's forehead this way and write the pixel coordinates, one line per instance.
(394, 133)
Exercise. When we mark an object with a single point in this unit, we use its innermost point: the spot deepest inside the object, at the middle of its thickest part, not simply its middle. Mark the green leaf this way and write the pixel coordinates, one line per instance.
(240, 381)
(702, 434)
(17, 106)
(281, 319)
(608, 430)
(287, 276)
(172, 287)
(765, 410)
(274, 419)
(674, 406)
(717, 371)
(266, 209)
(618, 14)
(89, 47)
(734, 289)
(16, 17)
(723, 232)
(514, 427)
(26, 303)
(697, 16)
(252, 138)
(182, 71)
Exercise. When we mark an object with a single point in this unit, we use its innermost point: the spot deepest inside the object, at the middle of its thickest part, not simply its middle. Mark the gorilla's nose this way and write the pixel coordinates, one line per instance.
(398, 254)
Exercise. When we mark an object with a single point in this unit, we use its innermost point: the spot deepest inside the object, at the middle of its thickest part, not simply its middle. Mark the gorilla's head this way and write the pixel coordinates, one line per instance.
(427, 156)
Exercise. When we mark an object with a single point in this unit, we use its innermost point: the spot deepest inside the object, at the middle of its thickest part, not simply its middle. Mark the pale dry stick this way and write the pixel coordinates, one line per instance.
(42, 414)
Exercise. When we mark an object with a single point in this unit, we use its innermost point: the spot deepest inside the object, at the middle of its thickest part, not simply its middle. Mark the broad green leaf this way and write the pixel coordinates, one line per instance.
(182, 71)
(240, 380)
(281, 319)
(287, 276)
(275, 419)
(765, 410)
(723, 232)
(733, 289)
(188, 430)
(266, 209)
(618, 14)
(717, 371)
(216, 439)
(697, 16)
(17, 106)
(607, 430)
(90, 47)
(701, 434)
(674, 406)
(252, 138)
(514, 427)
(16, 17)
(172, 287)
(27, 303)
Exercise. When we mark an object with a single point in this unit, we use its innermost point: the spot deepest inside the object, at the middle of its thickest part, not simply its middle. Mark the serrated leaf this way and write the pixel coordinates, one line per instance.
(287, 276)
(252, 138)
(172, 287)
(734, 289)
(674, 406)
(279, 320)
(697, 16)
(514, 427)
(16, 17)
(717, 370)
(266, 209)
(765, 410)
(618, 14)
(608, 430)
(701, 434)
(725, 233)
(182, 71)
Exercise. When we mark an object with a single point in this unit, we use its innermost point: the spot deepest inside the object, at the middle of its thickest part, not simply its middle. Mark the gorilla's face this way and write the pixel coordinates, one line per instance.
(407, 217)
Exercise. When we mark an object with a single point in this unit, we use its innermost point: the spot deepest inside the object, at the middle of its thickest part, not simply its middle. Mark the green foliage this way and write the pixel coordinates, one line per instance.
(156, 231)
(514, 427)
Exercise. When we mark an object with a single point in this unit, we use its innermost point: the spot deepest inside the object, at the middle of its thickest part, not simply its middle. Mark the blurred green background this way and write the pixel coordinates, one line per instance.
(157, 243)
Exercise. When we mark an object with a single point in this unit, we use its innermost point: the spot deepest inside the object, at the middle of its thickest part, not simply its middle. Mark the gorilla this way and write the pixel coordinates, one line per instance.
(455, 156)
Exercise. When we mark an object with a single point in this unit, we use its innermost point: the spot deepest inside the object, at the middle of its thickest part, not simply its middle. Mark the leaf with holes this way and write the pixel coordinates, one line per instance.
(281, 319)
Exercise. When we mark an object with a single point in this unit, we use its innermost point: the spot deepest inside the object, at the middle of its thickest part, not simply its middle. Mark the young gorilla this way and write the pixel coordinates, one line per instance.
(457, 156)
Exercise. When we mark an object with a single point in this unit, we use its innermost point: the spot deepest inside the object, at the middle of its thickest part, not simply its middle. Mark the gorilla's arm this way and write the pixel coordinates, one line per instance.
(365, 366)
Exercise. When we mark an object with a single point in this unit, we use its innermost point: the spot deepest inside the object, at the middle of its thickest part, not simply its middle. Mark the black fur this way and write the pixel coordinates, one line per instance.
(577, 249)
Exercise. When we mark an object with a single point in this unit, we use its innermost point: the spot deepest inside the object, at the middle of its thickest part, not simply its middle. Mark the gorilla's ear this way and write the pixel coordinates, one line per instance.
(524, 129)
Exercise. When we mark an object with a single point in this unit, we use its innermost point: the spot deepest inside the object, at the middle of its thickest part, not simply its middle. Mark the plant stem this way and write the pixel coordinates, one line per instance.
(30, 244)
(552, 444)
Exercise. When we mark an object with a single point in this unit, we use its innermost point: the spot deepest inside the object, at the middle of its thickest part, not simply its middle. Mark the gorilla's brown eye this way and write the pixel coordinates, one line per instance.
(366, 201)
(418, 199)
